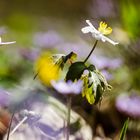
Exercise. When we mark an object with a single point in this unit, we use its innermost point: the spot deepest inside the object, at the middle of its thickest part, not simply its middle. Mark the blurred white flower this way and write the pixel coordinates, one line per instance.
(99, 34)
(29, 116)
(68, 87)
(6, 43)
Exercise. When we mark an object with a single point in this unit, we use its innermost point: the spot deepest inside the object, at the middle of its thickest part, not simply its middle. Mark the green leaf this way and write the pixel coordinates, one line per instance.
(90, 96)
(71, 56)
(124, 129)
(99, 94)
(61, 59)
(58, 59)
(87, 90)
(75, 71)
(94, 85)
(103, 81)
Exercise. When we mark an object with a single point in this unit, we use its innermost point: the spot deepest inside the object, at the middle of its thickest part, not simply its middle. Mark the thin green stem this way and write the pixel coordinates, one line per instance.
(91, 51)
(9, 128)
(68, 117)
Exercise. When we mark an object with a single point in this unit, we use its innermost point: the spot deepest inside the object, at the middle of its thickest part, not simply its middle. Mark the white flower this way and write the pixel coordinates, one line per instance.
(28, 116)
(6, 43)
(99, 34)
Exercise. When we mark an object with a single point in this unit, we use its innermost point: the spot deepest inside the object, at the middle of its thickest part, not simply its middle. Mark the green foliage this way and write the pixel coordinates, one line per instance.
(135, 80)
(94, 85)
(20, 22)
(75, 71)
(88, 90)
(61, 59)
(124, 129)
(130, 18)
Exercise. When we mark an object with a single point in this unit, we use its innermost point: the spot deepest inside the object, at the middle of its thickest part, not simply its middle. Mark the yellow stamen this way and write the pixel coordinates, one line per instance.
(104, 29)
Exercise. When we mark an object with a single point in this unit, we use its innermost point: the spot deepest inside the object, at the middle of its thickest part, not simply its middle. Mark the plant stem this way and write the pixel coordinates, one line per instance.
(18, 125)
(9, 128)
(68, 116)
(91, 51)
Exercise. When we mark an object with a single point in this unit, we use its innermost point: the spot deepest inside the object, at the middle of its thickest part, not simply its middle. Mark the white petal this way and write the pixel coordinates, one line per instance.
(7, 43)
(90, 29)
(87, 29)
(104, 38)
(90, 24)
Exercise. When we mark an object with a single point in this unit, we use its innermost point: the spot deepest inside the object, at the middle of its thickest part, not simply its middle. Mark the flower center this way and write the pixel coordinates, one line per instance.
(104, 29)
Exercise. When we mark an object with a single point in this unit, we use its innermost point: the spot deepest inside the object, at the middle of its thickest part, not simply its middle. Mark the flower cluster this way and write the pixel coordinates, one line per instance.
(80, 77)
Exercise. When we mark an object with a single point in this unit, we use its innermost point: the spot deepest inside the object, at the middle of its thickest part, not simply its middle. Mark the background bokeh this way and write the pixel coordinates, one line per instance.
(55, 26)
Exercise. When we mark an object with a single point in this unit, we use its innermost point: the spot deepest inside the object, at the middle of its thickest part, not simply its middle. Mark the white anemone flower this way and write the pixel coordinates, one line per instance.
(6, 43)
(99, 34)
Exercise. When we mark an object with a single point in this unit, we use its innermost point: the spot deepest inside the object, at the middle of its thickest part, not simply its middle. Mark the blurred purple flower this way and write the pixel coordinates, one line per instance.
(81, 49)
(48, 130)
(2, 30)
(47, 39)
(68, 87)
(107, 75)
(102, 8)
(33, 120)
(4, 97)
(32, 116)
(129, 104)
(29, 54)
(105, 63)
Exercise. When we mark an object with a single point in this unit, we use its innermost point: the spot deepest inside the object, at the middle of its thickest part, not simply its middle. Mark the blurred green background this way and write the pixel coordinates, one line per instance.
(55, 26)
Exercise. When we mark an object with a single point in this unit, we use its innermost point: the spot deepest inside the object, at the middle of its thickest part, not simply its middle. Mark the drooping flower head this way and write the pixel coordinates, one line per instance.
(99, 34)
(48, 66)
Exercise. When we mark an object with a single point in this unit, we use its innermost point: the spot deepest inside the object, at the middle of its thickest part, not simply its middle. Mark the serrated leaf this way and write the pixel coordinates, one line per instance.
(103, 81)
(85, 85)
(61, 59)
(99, 94)
(58, 60)
(75, 71)
(90, 95)
(124, 129)
(99, 84)
(87, 90)
(71, 56)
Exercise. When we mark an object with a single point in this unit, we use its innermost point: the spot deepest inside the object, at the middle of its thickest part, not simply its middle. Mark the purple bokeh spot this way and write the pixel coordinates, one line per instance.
(47, 39)
(129, 104)
(107, 75)
(102, 8)
(80, 49)
(68, 87)
(4, 97)
(105, 62)
(29, 54)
